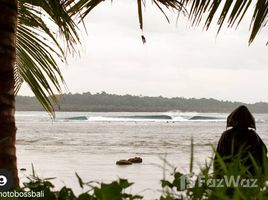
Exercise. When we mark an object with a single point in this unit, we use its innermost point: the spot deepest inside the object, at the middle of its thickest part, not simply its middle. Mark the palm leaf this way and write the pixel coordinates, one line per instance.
(37, 67)
(55, 11)
(46, 33)
(230, 12)
(140, 13)
(83, 7)
(18, 80)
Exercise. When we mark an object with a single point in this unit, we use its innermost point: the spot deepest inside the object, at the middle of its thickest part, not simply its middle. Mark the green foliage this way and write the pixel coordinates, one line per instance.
(97, 191)
(40, 50)
(229, 11)
(234, 182)
(182, 186)
(113, 103)
(114, 191)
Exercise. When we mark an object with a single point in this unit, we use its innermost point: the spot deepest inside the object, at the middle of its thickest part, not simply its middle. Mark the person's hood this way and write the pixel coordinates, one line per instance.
(241, 118)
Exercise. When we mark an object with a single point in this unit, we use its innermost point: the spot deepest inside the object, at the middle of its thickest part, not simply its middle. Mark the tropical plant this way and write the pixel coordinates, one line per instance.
(46, 32)
(237, 184)
(8, 22)
(28, 51)
(229, 11)
(37, 187)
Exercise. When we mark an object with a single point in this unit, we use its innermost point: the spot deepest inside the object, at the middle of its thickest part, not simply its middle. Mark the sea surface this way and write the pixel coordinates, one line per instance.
(91, 143)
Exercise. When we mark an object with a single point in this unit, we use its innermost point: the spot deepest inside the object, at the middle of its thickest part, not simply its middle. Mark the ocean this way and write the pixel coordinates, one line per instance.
(91, 143)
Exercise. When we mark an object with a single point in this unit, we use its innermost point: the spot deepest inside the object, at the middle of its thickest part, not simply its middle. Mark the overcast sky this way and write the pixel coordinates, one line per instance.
(177, 60)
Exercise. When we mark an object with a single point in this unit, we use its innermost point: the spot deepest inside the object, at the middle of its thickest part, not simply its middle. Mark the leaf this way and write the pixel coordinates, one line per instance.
(234, 11)
(124, 183)
(85, 196)
(80, 181)
(40, 50)
(192, 155)
(165, 183)
(140, 14)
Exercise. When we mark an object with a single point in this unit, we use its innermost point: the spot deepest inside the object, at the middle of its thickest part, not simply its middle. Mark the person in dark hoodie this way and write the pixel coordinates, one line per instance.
(241, 140)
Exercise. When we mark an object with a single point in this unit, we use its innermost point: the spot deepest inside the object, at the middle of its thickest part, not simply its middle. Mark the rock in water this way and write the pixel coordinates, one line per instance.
(123, 162)
(135, 160)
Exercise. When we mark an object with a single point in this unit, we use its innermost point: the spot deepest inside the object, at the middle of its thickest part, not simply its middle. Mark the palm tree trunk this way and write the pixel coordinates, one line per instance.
(8, 24)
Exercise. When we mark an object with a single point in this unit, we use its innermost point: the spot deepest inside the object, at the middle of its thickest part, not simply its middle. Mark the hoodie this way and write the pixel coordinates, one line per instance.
(241, 139)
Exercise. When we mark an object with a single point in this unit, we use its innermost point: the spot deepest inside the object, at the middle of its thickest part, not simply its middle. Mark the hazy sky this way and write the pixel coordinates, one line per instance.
(177, 60)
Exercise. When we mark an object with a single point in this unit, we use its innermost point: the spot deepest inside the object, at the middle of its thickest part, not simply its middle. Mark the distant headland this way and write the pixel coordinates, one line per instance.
(104, 102)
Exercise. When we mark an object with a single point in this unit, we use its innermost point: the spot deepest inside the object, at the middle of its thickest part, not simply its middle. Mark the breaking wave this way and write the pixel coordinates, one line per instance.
(149, 117)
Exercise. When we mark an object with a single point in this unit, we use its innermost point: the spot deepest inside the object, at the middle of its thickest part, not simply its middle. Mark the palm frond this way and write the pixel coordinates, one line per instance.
(140, 13)
(230, 12)
(33, 13)
(83, 7)
(18, 80)
(37, 67)
(46, 33)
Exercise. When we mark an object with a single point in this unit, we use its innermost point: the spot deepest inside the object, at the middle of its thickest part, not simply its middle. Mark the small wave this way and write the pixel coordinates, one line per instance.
(261, 121)
(78, 118)
(197, 117)
(164, 117)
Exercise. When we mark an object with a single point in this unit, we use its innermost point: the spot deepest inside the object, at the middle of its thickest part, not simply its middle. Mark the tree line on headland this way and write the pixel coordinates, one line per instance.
(103, 102)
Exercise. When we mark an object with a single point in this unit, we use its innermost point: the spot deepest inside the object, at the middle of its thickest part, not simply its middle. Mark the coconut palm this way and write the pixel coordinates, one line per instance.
(39, 47)
(8, 23)
(28, 52)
